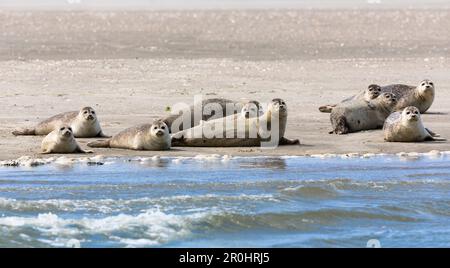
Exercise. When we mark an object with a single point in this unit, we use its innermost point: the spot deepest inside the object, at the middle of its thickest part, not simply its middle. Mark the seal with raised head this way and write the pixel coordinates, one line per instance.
(61, 141)
(237, 130)
(84, 124)
(407, 126)
(148, 137)
(359, 115)
(208, 108)
(372, 92)
(420, 96)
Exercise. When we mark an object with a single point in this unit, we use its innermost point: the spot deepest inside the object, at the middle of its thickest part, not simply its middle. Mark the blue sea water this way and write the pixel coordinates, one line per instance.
(228, 202)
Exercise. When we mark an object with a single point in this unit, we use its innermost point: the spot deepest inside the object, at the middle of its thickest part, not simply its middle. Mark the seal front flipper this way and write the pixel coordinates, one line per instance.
(79, 150)
(46, 152)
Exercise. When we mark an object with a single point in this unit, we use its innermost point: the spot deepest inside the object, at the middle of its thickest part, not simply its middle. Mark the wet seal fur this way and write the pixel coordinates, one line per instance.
(84, 124)
(420, 96)
(149, 137)
(407, 126)
(61, 141)
(277, 109)
(359, 115)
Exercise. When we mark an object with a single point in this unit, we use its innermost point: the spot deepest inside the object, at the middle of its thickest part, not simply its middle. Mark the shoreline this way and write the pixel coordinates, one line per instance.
(61, 159)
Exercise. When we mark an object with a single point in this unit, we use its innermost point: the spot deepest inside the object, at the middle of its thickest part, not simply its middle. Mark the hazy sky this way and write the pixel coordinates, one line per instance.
(155, 4)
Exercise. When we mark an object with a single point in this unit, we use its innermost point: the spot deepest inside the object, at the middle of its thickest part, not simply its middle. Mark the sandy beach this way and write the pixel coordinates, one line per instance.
(130, 66)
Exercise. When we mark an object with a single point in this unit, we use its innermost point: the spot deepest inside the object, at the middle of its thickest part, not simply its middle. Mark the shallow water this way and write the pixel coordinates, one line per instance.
(221, 202)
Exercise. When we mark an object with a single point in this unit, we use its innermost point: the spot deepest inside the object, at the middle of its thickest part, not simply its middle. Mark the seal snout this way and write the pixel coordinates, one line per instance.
(159, 133)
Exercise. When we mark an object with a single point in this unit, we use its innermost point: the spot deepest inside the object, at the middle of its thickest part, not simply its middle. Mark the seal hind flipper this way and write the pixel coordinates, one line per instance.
(284, 141)
(24, 131)
(100, 144)
(326, 108)
(432, 134)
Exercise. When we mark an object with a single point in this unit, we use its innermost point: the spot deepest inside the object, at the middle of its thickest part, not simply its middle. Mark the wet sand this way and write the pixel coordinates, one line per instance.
(131, 65)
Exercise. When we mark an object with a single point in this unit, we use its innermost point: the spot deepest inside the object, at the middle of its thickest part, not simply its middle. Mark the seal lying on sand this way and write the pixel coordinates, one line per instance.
(421, 96)
(207, 110)
(61, 141)
(84, 124)
(407, 126)
(238, 130)
(151, 137)
(372, 92)
(359, 115)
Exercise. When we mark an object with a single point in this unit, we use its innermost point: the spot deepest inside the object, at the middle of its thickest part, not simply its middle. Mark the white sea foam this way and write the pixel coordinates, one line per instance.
(120, 205)
(153, 227)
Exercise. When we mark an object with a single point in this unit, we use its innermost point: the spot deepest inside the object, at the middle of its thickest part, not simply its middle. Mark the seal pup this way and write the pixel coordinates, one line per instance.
(233, 136)
(372, 92)
(358, 115)
(149, 137)
(407, 126)
(207, 108)
(84, 124)
(61, 141)
(420, 96)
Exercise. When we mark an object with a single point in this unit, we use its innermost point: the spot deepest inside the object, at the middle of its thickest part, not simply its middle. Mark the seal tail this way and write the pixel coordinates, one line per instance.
(24, 131)
(100, 144)
(326, 108)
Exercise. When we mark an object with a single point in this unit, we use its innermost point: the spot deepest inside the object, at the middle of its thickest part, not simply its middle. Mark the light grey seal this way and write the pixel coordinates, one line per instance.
(372, 92)
(420, 96)
(84, 124)
(240, 131)
(207, 110)
(61, 141)
(359, 115)
(149, 137)
(407, 126)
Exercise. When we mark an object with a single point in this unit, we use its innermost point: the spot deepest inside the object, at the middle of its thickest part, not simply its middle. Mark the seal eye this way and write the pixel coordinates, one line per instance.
(155, 128)
(70, 128)
(423, 84)
(93, 112)
(416, 112)
(431, 83)
(163, 127)
(408, 112)
(62, 128)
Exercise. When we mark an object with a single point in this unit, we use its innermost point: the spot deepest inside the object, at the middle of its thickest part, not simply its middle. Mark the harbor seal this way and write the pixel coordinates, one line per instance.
(84, 124)
(205, 109)
(420, 96)
(149, 137)
(61, 141)
(238, 131)
(372, 92)
(359, 115)
(407, 126)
